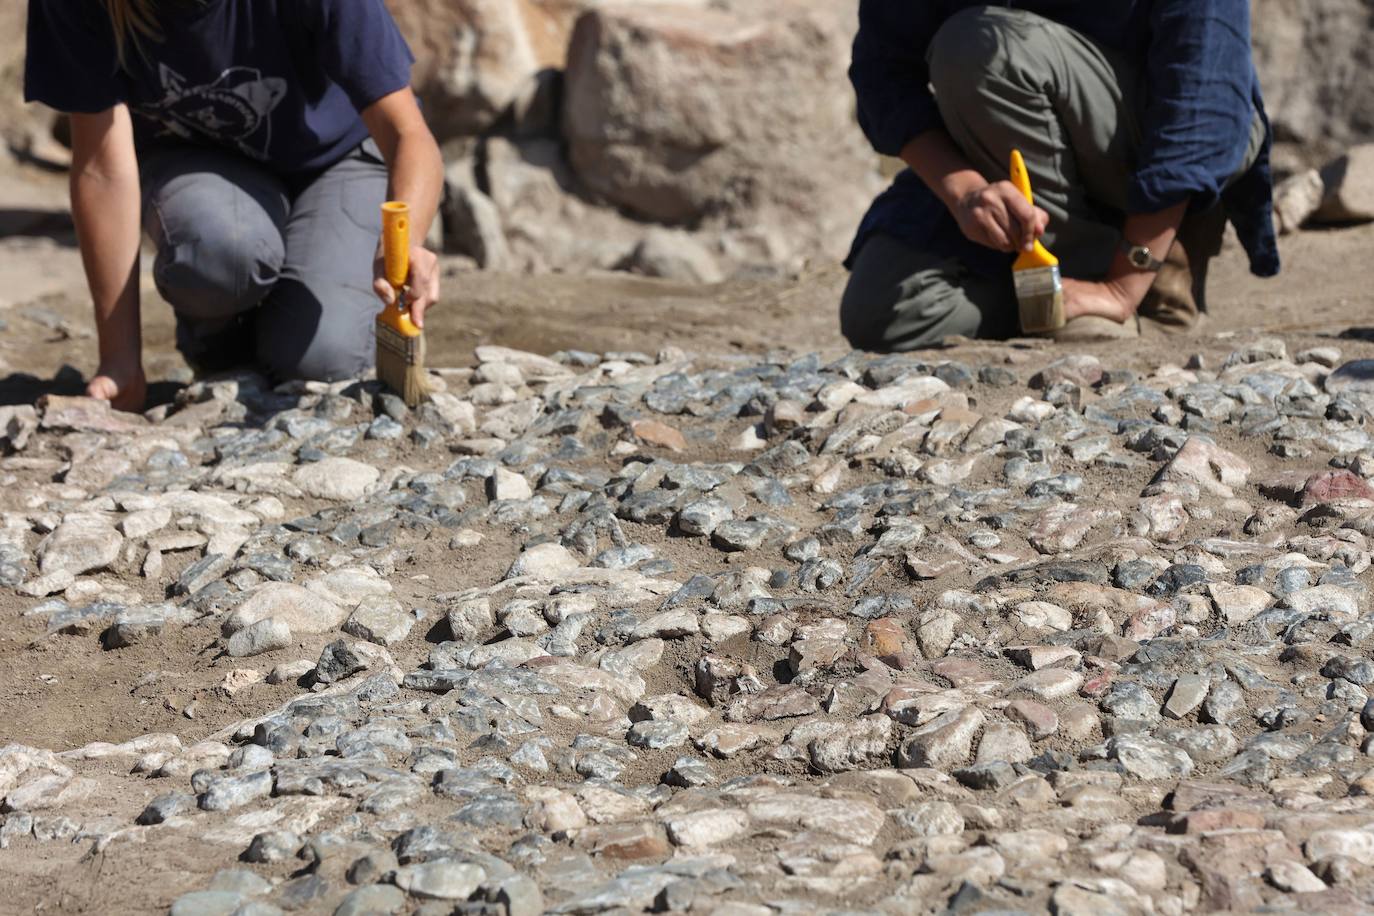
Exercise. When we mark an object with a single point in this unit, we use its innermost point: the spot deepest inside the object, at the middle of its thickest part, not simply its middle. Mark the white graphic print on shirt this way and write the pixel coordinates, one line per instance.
(233, 110)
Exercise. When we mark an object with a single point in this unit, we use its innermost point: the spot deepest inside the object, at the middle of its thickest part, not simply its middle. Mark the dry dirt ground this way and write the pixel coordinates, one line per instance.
(1327, 288)
(55, 693)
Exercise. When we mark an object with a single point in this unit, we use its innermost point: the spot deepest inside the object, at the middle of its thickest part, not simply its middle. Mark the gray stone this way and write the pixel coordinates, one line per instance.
(930, 819)
(81, 544)
(1225, 701)
(1186, 695)
(704, 516)
(520, 895)
(166, 806)
(945, 742)
(657, 735)
(1149, 759)
(267, 635)
(228, 792)
(273, 846)
(440, 880)
(370, 901)
(206, 903)
(380, 620)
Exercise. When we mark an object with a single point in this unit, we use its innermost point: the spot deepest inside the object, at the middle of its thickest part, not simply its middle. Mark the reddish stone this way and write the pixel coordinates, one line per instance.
(884, 637)
(960, 672)
(1330, 486)
(1206, 464)
(1040, 721)
(904, 660)
(652, 432)
(924, 405)
(1079, 369)
(1208, 820)
(1149, 622)
(1193, 794)
(626, 842)
(960, 415)
(784, 416)
(1096, 684)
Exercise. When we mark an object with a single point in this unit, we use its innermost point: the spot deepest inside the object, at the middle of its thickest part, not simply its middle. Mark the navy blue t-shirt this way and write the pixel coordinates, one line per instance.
(279, 81)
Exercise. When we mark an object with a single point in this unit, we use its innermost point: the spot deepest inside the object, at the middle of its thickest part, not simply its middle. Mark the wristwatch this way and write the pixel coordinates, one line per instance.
(1140, 257)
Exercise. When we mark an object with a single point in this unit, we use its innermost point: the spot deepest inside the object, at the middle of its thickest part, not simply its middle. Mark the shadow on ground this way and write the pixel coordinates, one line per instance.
(23, 388)
(53, 224)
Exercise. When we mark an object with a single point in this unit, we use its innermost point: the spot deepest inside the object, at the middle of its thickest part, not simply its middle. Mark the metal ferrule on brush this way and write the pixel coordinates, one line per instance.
(1040, 296)
(1039, 290)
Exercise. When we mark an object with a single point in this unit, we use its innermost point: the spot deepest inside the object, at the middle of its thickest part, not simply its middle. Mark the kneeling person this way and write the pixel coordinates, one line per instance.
(1142, 125)
(255, 141)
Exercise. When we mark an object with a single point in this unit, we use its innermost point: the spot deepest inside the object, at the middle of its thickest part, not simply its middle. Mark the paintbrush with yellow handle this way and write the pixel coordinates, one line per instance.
(1039, 290)
(400, 344)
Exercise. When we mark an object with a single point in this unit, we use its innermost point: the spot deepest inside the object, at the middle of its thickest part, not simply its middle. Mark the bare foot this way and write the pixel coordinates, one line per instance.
(125, 389)
(1103, 299)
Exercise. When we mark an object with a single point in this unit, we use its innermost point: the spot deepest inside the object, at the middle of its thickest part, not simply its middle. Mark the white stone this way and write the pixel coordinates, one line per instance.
(506, 484)
(707, 828)
(301, 610)
(340, 479)
(380, 620)
(81, 544)
(144, 522)
(546, 562)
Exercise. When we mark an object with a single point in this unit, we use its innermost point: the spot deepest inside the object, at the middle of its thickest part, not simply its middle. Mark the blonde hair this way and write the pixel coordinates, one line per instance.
(133, 21)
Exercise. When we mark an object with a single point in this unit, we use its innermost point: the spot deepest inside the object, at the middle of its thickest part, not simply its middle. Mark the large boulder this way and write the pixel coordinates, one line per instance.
(1314, 61)
(547, 224)
(681, 114)
(475, 58)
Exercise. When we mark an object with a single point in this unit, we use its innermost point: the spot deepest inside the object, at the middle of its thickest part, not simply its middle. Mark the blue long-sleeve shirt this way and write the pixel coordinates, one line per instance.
(1201, 93)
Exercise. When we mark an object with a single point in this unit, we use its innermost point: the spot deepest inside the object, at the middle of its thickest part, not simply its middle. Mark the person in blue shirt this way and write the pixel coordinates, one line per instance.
(254, 141)
(1143, 128)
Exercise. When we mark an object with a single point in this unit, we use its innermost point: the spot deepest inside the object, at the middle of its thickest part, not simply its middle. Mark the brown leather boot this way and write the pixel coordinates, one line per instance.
(1177, 300)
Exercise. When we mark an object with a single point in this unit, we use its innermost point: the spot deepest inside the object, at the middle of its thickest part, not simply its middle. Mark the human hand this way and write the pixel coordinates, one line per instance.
(999, 217)
(1105, 299)
(122, 383)
(422, 285)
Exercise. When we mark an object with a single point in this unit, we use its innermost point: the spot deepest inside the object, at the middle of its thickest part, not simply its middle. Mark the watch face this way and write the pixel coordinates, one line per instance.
(1140, 256)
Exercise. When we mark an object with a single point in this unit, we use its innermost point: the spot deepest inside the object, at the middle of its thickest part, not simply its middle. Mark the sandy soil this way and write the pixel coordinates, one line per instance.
(1325, 289)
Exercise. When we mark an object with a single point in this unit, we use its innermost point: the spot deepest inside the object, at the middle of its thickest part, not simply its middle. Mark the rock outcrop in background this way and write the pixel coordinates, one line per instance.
(685, 140)
(702, 139)
(1314, 60)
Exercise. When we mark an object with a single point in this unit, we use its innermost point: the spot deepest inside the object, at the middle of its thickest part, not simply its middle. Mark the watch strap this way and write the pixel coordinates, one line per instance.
(1140, 257)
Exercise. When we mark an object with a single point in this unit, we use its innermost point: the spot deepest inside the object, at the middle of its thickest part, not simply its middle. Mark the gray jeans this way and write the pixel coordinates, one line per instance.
(262, 270)
(1007, 78)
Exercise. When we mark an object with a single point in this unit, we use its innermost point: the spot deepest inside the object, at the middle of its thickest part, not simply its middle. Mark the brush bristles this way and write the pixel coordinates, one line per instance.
(401, 363)
(1040, 294)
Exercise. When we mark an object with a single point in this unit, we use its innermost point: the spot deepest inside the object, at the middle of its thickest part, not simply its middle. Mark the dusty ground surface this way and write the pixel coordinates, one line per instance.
(857, 756)
(1323, 290)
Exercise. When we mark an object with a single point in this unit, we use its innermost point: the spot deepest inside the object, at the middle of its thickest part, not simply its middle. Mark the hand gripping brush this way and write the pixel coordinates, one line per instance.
(1039, 292)
(400, 344)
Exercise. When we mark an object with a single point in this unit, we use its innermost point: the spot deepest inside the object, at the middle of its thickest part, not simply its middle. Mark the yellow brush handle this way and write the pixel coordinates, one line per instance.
(396, 242)
(1020, 177)
(396, 258)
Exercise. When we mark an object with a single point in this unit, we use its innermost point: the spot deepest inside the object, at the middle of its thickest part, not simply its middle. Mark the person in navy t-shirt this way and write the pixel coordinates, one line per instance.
(254, 141)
